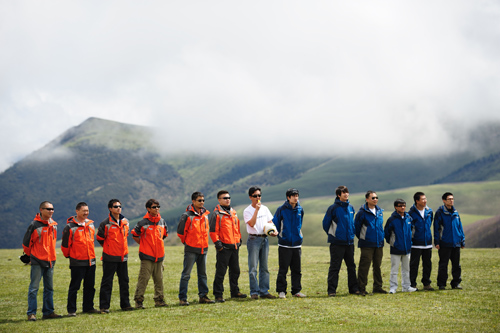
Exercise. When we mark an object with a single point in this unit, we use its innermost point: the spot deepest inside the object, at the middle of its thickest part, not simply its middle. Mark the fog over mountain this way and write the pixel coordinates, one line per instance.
(252, 77)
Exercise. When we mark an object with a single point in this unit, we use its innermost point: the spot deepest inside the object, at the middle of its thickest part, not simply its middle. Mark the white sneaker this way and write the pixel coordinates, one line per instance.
(392, 291)
(411, 289)
(282, 295)
(299, 294)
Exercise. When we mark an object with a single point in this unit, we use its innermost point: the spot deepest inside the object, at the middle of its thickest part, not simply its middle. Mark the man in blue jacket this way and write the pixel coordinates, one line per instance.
(421, 241)
(449, 239)
(369, 224)
(397, 232)
(338, 223)
(288, 221)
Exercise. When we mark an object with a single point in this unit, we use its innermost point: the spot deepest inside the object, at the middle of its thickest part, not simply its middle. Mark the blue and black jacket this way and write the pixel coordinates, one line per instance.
(288, 222)
(338, 223)
(422, 235)
(448, 230)
(398, 233)
(369, 227)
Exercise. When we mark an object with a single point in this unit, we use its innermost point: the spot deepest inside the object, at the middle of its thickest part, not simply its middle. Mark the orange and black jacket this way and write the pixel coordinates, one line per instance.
(151, 231)
(112, 235)
(225, 227)
(193, 230)
(78, 242)
(39, 242)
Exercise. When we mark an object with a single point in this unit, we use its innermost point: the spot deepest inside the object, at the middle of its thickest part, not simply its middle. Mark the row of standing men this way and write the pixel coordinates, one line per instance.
(223, 227)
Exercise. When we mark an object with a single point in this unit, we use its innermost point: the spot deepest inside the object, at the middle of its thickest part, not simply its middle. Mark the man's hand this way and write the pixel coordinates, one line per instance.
(437, 246)
(218, 245)
(274, 234)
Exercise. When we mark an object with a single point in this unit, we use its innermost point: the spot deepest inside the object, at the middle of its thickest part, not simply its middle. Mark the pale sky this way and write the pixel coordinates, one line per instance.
(312, 77)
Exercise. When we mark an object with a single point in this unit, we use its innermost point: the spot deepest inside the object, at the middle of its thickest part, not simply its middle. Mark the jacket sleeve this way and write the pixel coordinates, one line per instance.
(277, 219)
(387, 231)
(136, 232)
(462, 243)
(101, 232)
(358, 221)
(66, 241)
(27, 239)
(214, 226)
(328, 219)
(180, 228)
(437, 227)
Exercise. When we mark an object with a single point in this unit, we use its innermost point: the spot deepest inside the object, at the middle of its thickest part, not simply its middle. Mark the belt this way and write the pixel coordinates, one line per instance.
(259, 235)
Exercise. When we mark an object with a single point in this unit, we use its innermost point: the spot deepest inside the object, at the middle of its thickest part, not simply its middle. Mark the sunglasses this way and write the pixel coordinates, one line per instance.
(399, 206)
(373, 198)
(49, 209)
(226, 198)
(154, 207)
(117, 206)
(201, 200)
(256, 195)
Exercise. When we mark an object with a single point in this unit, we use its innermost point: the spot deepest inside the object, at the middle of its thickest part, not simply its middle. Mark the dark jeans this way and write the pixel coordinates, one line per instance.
(227, 258)
(87, 274)
(426, 255)
(109, 268)
(369, 255)
(337, 254)
(446, 254)
(289, 257)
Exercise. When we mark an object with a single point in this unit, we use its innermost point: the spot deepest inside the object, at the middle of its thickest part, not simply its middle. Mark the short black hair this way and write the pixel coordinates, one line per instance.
(44, 203)
(80, 205)
(368, 193)
(196, 195)
(221, 193)
(291, 191)
(253, 189)
(446, 195)
(150, 203)
(341, 189)
(417, 196)
(398, 202)
(112, 202)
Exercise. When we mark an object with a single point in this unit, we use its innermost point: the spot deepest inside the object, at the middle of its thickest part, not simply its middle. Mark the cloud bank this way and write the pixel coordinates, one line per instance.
(258, 77)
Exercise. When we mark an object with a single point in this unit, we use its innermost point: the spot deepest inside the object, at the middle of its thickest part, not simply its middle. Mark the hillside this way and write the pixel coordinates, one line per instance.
(484, 233)
(100, 159)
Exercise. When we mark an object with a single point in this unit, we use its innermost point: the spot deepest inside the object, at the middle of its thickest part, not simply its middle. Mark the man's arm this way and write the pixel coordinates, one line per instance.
(328, 219)
(136, 232)
(180, 228)
(253, 219)
(27, 239)
(101, 232)
(437, 226)
(66, 241)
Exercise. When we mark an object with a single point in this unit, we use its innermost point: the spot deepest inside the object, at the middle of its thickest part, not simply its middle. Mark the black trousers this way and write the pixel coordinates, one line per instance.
(426, 255)
(446, 254)
(109, 268)
(227, 258)
(79, 273)
(337, 254)
(289, 257)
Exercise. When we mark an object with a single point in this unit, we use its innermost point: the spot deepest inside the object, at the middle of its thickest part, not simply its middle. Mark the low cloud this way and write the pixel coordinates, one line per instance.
(326, 77)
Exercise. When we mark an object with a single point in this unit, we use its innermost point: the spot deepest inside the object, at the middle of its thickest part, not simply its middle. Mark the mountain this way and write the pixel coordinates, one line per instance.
(483, 233)
(101, 159)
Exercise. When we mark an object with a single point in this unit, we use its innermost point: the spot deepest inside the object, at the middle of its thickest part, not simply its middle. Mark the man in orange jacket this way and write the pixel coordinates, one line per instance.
(39, 243)
(226, 235)
(149, 233)
(193, 231)
(78, 245)
(112, 235)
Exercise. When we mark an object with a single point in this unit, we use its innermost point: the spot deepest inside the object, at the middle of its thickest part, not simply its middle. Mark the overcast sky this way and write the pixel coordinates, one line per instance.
(251, 76)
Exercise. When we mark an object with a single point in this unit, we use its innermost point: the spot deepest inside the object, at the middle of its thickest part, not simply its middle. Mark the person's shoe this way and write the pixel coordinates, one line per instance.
(392, 291)
(219, 300)
(268, 296)
(332, 294)
(362, 292)
(428, 288)
(71, 314)
(92, 311)
(282, 295)
(106, 311)
(239, 295)
(32, 317)
(160, 303)
(139, 305)
(409, 290)
(457, 287)
(205, 300)
(183, 302)
(442, 287)
(128, 308)
(254, 296)
(299, 295)
(379, 291)
(53, 315)
(357, 292)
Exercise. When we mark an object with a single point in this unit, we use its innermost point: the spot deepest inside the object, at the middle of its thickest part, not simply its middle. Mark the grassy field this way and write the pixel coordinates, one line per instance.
(475, 308)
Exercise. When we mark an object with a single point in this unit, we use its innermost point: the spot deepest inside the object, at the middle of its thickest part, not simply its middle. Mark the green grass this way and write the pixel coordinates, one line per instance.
(475, 308)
